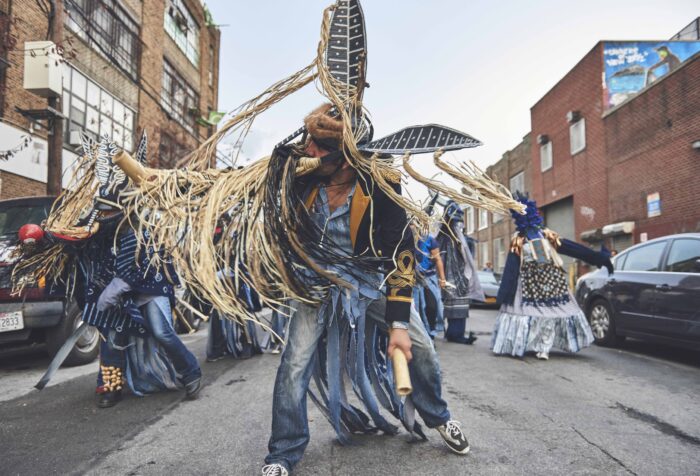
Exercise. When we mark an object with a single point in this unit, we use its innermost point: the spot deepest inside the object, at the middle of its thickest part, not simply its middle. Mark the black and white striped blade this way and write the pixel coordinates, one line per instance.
(346, 50)
(421, 140)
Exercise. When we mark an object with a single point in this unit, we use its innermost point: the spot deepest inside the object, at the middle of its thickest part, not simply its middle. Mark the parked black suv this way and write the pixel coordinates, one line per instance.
(40, 317)
(654, 293)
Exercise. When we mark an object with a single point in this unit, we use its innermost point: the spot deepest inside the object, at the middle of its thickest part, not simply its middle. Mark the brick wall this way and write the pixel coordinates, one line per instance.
(157, 46)
(144, 95)
(12, 185)
(511, 163)
(584, 174)
(29, 23)
(649, 148)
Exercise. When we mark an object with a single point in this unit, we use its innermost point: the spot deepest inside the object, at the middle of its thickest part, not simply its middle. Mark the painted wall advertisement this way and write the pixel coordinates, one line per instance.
(630, 66)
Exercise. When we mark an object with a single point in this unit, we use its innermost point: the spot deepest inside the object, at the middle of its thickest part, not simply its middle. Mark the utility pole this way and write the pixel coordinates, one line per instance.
(54, 184)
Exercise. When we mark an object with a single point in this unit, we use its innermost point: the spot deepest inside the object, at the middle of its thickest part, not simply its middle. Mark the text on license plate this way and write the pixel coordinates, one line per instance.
(11, 321)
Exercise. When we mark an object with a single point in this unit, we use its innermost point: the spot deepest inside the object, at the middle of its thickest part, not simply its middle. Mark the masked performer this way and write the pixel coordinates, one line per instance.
(538, 311)
(321, 222)
(129, 306)
(462, 279)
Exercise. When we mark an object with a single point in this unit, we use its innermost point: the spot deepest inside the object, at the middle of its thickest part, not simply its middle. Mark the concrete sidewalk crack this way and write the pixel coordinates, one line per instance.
(658, 424)
(604, 451)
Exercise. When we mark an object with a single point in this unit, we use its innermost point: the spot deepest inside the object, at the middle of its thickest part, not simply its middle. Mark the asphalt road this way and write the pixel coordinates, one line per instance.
(633, 410)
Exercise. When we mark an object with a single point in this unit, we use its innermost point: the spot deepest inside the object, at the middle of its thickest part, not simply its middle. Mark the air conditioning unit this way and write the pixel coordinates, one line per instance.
(573, 116)
(43, 71)
(74, 138)
(542, 139)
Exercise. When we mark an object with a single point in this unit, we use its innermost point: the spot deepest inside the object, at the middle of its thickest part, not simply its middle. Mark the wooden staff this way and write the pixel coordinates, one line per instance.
(132, 168)
(402, 379)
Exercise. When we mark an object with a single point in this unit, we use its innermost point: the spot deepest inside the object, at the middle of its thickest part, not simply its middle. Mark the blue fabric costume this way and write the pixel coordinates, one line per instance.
(537, 310)
(427, 296)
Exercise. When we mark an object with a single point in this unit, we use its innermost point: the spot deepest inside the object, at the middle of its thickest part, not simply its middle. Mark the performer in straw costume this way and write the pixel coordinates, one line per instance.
(321, 222)
(86, 251)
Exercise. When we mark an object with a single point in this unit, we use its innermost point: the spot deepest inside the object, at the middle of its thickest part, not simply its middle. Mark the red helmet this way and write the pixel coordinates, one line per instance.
(30, 233)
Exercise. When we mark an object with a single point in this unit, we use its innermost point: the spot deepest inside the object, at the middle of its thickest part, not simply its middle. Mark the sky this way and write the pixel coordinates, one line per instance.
(477, 66)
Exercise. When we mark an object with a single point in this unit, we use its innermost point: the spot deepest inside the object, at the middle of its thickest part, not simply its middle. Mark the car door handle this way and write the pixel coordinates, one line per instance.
(663, 287)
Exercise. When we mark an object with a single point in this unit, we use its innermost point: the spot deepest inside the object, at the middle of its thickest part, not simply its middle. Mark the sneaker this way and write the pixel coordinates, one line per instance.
(274, 470)
(192, 389)
(276, 349)
(454, 438)
(543, 355)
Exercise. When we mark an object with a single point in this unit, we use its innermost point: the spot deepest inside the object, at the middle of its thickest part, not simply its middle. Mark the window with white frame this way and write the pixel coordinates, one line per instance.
(577, 136)
(469, 213)
(182, 28)
(497, 218)
(483, 219)
(499, 254)
(517, 183)
(91, 109)
(546, 156)
(483, 254)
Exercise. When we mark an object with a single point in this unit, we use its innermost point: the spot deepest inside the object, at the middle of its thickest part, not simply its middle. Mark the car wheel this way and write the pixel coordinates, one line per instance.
(600, 317)
(88, 346)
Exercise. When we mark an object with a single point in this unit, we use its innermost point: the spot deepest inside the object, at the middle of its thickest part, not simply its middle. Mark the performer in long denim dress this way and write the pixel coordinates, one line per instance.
(538, 311)
(462, 278)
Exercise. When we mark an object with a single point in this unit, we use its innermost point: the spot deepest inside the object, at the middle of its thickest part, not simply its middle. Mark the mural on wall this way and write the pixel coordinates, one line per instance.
(630, 66)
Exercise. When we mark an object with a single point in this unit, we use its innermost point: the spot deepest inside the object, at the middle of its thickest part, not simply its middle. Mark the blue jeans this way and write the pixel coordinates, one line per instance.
(157, 315)
(278, 323)
(432, 315)
(290, 426)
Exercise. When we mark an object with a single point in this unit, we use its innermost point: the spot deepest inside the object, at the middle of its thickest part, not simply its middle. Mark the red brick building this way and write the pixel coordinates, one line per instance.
(493, 232)
(129, 66)
(619, 167)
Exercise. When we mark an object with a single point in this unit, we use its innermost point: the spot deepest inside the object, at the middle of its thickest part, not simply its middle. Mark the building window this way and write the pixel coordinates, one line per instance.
(469, 213)
(180, 25)
(91, 109)
(179, 99)
(108, 29)
(577, 136)
(517, 183)
(483, 219)
(497, 218)
(499, 254)
(170, 152)
(546, 156)
(483, 254)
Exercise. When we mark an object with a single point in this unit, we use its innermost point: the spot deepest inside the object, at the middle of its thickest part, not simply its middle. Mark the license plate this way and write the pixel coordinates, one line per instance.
(490, 300)
(11, 321)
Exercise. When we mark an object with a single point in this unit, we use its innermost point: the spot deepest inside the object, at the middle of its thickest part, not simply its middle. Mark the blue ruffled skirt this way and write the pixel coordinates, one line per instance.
(522, 328)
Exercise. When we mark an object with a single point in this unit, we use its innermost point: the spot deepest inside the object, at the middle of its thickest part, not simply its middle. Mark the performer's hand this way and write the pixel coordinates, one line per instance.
(112, 294)
(441, 283)
(399, 339)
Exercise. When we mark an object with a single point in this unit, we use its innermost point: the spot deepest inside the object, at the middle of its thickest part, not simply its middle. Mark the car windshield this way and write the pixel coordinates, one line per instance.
(13, 217)
(487, 277)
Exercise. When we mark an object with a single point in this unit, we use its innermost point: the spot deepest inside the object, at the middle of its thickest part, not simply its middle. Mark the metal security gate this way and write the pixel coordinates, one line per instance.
(559, 216)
